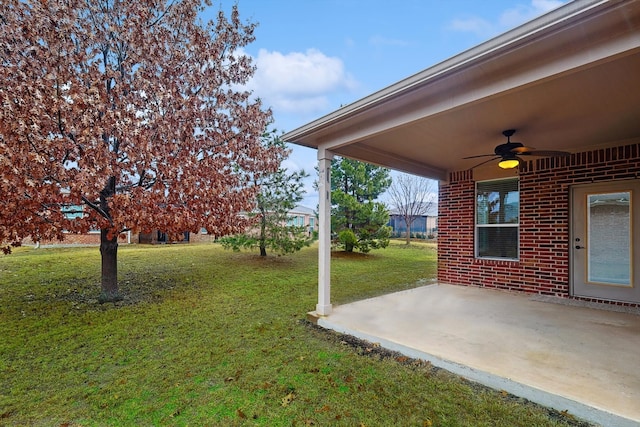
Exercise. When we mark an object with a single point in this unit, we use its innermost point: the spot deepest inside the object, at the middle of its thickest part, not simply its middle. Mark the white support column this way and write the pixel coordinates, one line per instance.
(323, 308)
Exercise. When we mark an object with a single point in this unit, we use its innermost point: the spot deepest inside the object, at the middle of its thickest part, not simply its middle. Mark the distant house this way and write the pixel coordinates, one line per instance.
(158, 237)
(299, 216)
(302, 216)
(423, 225)
(90, 238)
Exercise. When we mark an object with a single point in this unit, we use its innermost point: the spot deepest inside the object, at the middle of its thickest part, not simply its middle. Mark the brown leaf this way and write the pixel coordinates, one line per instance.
(288, 399)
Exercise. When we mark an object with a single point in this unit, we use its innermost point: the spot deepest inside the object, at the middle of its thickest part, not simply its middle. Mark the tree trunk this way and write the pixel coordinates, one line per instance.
(108, 249)
(109, 278)
(408, 232)
(263, 234)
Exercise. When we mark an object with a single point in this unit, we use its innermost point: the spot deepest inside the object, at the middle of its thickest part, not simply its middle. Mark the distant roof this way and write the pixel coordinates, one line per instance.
(303, 210)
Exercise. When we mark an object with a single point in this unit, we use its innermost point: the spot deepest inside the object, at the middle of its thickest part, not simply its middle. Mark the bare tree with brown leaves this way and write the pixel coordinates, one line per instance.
(412, 197)
(130, 112)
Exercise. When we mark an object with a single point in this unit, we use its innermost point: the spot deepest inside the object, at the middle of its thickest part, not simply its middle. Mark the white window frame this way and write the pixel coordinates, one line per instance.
(477, 226)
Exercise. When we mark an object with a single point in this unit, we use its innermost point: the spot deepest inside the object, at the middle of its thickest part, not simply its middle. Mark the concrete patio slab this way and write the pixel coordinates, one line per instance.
(582, 360)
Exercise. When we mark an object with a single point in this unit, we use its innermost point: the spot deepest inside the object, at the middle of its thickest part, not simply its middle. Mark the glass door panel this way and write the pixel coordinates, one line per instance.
(609, 238)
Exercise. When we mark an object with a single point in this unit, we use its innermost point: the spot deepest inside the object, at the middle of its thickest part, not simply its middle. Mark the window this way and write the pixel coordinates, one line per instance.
(497, 219)
(295, 221)
(72, 211)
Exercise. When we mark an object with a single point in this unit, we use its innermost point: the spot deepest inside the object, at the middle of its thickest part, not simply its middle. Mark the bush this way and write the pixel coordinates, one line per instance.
(348, 239)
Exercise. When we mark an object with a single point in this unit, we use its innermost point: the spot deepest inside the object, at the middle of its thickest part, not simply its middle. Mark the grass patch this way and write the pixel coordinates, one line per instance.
(212, 337)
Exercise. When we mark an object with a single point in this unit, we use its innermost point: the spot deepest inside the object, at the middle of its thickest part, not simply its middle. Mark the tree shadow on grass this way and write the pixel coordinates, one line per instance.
(356, 256)
(135, 289)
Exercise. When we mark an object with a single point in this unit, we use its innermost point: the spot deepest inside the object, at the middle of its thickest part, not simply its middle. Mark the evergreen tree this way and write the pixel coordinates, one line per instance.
(279, 194)
(360, 221)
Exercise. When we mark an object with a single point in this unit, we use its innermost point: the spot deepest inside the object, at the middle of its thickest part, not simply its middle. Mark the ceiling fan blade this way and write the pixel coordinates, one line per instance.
(522, 150)
(481, 155)
(486, 161)
(545, 153)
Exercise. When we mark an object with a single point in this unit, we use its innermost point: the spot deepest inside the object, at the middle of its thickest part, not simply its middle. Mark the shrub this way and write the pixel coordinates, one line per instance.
(348, 239)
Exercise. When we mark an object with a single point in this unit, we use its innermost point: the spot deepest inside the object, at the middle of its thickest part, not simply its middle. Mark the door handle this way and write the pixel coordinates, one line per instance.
(579, 247)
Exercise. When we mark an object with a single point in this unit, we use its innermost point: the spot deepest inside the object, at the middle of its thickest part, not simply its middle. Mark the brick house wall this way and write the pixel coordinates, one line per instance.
(91, 238)
(202, 237)
(543, 267)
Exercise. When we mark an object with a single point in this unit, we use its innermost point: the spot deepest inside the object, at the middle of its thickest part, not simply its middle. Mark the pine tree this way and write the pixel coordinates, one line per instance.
(280, 192)
(358, 219)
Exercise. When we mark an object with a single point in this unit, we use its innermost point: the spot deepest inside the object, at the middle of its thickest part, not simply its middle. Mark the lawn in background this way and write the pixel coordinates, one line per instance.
(212, 337)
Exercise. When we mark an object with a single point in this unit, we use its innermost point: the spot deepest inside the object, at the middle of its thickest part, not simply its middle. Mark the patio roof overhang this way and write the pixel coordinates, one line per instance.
(566, 81)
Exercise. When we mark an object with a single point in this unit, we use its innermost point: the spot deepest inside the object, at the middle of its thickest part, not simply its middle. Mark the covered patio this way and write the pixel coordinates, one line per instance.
(580, 358)
(566, 81)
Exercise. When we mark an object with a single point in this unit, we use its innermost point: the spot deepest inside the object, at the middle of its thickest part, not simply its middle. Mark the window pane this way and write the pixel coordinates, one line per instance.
(497, 202)
(497, 242)
(72, 211)
(609, 247)
(497, 219)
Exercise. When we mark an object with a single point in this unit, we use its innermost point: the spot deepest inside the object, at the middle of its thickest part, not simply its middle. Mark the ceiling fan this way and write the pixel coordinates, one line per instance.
(509, 153)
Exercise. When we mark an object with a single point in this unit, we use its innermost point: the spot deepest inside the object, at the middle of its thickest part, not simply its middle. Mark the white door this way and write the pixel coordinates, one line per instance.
(605, 241)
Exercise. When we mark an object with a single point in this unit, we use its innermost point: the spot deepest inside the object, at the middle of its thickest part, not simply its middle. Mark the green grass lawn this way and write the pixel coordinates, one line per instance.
(211, 337)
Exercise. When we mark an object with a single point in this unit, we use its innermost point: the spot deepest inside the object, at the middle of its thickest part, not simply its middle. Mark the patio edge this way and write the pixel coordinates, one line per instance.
(560, 403)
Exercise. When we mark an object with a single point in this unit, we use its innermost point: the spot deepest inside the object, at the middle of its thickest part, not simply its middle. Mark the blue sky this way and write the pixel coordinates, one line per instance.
(314, 56)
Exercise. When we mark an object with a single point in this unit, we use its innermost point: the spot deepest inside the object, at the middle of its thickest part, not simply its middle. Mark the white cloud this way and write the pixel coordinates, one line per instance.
(510, 18)
(472, 24)
(521, 14)
(547, 5)
(299, 82)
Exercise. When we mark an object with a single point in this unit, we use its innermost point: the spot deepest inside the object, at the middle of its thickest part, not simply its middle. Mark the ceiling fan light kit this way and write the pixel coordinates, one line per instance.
(509, 163)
